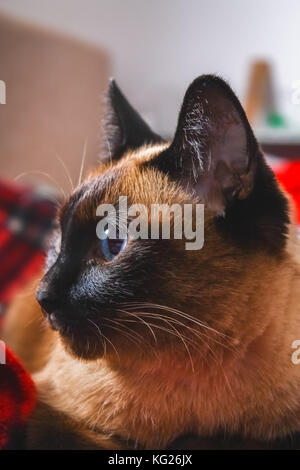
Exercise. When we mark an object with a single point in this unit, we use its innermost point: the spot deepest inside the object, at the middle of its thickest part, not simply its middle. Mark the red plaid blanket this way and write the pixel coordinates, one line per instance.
(17, 400)
(26, 219)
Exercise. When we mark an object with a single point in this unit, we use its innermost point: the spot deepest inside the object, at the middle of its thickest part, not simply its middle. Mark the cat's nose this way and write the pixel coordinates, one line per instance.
(47, 301)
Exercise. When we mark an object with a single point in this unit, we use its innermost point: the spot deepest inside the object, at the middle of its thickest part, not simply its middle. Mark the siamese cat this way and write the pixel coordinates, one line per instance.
(146, 341)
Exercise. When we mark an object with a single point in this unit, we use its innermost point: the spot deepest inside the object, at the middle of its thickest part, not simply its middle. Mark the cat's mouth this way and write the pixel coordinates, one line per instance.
(62, 323)
(111, 332)
(84, 336)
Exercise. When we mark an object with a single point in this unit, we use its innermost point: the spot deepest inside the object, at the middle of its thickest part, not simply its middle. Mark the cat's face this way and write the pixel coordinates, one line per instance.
(140, 296)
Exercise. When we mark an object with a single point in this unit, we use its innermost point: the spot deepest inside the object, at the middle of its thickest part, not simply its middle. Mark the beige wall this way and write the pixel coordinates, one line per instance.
(53, 102)
(158, 46)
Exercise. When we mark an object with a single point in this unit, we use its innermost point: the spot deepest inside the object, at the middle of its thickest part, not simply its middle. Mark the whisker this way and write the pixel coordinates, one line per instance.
(67, 172)
(155, 317)
(171, 320)
(190, 318)
(125, 334)
(129, 335)
(43, 173)
(141, 342)
(100, 334)
(197, 333)
(112, 346)
(178, 335)
(178, 312)
(191, 342)
(82, 162)
(140, 319)
(185, 344)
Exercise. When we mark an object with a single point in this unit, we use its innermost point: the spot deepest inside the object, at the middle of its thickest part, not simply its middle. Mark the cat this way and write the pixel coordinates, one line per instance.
(156, 341)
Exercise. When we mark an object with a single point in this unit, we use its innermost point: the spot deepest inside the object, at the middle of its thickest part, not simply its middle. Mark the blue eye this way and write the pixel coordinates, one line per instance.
(111, 247)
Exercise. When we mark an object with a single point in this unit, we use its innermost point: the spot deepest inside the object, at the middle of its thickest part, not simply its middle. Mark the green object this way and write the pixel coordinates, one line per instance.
(275, 120)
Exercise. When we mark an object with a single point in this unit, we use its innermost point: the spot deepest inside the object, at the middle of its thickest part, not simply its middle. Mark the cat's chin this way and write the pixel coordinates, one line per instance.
(83, 348)
(91, 339)
(79, 337)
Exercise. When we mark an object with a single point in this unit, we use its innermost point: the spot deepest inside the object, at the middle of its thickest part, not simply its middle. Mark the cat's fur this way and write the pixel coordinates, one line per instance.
(218, 359)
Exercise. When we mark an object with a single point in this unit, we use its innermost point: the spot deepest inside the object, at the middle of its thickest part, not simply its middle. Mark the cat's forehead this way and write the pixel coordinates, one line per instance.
(128, 177)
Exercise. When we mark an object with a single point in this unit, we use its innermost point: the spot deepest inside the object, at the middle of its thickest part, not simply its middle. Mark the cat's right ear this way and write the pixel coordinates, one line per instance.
(124, 128)
(214, 150)
(215, 155)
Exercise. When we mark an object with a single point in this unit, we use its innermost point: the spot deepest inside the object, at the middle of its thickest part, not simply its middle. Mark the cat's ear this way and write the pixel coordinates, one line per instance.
(214, 150)
(124, 127)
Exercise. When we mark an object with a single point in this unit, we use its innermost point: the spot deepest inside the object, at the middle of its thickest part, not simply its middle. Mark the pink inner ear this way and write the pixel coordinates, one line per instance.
(213, 146)
(215, 143)
(229, 145)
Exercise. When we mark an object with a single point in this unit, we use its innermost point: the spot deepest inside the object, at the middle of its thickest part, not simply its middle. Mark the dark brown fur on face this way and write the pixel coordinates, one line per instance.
(174, 341)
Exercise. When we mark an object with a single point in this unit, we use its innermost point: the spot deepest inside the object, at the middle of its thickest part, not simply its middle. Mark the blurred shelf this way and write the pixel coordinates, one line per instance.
(283, 149)
(280, 142)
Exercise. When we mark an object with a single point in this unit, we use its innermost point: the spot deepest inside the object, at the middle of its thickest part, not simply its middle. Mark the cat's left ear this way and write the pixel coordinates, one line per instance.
(214, 150)
(124, 127)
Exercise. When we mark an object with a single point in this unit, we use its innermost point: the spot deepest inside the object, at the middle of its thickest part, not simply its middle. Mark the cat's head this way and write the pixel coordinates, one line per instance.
(138, 297)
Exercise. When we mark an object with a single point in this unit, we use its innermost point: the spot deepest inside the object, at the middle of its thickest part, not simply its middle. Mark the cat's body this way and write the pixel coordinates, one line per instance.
(207, 337)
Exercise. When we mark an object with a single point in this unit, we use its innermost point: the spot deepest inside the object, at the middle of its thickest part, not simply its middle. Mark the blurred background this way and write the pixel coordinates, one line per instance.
(67, 49)
(56, 57)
